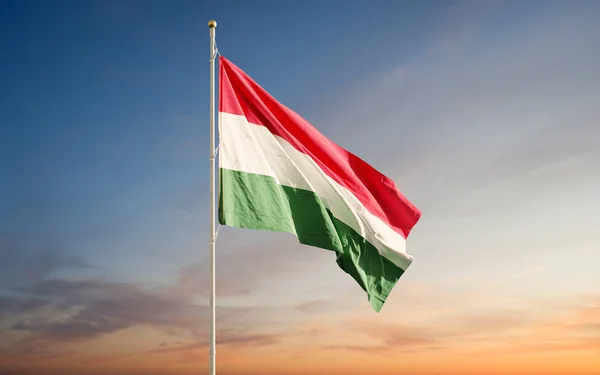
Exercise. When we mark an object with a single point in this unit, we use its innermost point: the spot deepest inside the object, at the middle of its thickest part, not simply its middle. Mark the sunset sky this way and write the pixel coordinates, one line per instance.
(486, 114)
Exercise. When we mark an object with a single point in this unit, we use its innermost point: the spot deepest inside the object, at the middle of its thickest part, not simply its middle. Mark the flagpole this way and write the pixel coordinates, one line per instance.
(212, 25)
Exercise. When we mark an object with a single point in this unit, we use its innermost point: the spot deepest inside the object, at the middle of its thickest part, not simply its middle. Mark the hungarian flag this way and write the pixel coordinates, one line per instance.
(279, 173)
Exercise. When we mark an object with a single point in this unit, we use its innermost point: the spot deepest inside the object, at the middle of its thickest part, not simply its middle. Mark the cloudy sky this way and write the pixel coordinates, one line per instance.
(485, 113)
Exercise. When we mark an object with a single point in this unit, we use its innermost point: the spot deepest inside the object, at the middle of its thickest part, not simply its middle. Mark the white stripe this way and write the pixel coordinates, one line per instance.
(251, 148)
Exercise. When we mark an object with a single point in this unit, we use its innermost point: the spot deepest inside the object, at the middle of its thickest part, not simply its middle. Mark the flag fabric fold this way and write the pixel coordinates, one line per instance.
(279, 173)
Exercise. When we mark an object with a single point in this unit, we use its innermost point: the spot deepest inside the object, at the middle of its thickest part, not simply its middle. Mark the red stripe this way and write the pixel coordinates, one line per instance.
(240, 95)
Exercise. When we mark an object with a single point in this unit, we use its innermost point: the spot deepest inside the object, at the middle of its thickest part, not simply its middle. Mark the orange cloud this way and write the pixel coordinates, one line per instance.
(461, 341)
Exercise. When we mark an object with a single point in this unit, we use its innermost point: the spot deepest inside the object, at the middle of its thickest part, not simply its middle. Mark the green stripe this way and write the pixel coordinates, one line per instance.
(258, 202)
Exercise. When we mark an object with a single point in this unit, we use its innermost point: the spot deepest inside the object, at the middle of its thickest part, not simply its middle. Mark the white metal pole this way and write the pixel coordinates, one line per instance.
(212, 25)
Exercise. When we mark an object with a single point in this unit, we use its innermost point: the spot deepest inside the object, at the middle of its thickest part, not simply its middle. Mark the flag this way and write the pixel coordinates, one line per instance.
(279, 173)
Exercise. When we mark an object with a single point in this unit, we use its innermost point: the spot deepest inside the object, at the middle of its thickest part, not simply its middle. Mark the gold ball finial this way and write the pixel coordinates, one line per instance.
(212, 24)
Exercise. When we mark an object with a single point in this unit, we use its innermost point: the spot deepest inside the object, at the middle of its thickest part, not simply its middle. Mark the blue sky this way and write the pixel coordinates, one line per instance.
(105, 109)
(484, 113)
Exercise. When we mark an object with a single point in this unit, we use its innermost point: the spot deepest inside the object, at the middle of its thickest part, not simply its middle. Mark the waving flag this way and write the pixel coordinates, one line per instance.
(278, 173)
